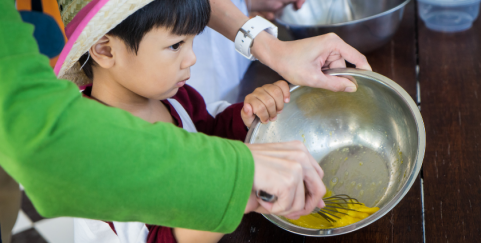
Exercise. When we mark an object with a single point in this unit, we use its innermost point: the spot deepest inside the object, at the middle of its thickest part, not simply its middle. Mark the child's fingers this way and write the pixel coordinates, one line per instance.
(285, 88)
(247, 114)
(261, 111)
(258, 107)
(267, 100)
(277, 94)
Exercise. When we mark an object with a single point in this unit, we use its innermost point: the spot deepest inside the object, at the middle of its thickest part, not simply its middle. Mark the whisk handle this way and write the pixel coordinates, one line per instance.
(266, 196)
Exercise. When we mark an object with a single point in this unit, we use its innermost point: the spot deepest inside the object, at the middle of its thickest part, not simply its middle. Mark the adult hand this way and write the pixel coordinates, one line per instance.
(272, 5)
(288, 171)
(268, 8)
(300, 62)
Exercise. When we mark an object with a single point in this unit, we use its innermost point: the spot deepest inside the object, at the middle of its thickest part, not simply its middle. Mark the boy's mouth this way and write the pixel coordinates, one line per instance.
(182, 83)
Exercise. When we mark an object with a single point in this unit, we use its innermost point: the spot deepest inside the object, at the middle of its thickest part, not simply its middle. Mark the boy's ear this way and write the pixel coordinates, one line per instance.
(101, 52)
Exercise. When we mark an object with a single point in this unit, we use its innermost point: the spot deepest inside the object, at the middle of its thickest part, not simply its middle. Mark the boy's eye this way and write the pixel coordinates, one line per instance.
(176, 46)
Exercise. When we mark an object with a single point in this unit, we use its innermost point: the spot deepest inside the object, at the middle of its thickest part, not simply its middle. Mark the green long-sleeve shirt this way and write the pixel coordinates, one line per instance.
(76, 157)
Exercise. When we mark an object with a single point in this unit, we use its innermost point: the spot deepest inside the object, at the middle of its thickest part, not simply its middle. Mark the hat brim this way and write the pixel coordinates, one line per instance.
(103, 16)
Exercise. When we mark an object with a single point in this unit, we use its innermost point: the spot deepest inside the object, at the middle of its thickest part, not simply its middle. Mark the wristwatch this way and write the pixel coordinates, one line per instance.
(246, 34)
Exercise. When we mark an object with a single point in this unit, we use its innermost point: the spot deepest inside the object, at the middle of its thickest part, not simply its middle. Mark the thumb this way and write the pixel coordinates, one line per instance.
(338, 83)
(247, 114)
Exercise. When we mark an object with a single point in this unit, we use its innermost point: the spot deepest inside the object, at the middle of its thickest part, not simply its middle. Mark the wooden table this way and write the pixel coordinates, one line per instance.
(443, 204)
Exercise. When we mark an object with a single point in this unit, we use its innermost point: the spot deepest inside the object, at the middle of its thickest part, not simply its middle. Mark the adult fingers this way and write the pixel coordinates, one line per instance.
(314, 187)
(318, 170)
(350, 54)
(295, 167)
(298, 200)
(339, 63)
(313, 198)
(315, 191)
(335, 83)
(299, 204)
(287, 195)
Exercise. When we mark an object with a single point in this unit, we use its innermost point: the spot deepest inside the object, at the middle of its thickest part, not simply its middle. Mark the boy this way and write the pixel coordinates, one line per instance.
(137, 57)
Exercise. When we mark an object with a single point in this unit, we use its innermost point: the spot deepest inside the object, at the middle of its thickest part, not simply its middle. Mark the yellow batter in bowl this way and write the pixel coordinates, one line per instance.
(315, 221)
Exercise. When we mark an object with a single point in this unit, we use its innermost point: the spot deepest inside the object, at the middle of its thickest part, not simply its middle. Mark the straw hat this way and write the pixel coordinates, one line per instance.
(86, 21)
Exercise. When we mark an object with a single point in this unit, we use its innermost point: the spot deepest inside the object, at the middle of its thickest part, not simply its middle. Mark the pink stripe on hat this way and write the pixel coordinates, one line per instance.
(75, 28)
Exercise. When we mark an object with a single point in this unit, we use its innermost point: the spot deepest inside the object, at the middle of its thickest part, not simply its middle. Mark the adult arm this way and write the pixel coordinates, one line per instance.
(300, 62)
(76, 157)
(268, 8)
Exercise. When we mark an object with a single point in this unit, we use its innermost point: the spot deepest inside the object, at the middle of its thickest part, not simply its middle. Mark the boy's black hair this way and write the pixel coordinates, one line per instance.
(182, 17)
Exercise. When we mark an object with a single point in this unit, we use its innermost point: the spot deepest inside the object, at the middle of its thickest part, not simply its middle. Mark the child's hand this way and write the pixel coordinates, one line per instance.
(266, 102)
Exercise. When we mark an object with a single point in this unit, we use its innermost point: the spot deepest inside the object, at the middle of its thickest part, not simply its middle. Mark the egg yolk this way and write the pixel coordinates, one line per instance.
(316, 221)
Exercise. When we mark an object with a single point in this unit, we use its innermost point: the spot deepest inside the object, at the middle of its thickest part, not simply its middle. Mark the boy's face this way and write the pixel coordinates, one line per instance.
(160, 67)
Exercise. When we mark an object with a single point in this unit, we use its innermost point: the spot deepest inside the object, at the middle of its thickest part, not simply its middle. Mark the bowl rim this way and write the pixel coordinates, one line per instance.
(277, 19)
(404, 188)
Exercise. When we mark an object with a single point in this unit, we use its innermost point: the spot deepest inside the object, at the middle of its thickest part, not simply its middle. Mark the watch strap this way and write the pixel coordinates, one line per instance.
(246, 34)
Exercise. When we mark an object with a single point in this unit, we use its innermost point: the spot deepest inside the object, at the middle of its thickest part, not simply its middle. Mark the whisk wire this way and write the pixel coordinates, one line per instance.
(323, 215)
(329, 216)
(336, 211)
(342, 197)
(334, 204)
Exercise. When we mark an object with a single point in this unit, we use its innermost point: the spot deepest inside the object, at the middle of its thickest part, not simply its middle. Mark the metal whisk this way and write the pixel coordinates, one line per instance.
(334, 204)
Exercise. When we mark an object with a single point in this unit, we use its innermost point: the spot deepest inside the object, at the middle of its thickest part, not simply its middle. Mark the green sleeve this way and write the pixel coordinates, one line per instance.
(76, 157)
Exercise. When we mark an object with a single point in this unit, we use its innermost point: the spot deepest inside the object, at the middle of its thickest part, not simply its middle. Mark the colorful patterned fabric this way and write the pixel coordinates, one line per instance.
(49, 28)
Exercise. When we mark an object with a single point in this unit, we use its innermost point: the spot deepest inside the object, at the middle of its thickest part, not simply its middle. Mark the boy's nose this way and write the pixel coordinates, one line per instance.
(190, 60)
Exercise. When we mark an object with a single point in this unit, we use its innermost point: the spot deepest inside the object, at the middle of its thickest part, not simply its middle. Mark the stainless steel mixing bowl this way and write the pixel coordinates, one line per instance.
(370, 143)
(364, 24)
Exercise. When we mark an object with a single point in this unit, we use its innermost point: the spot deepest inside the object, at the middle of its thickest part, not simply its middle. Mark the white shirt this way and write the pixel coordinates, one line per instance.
(219, 68)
